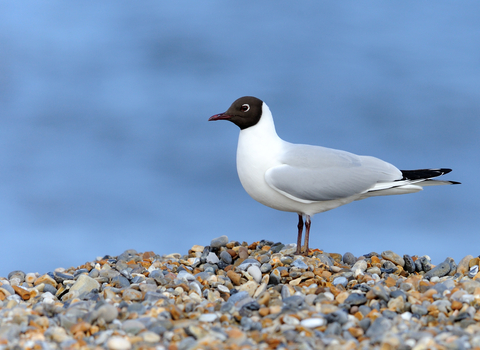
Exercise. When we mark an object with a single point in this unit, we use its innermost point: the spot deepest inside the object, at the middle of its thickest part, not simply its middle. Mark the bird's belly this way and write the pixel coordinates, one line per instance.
(251, 173)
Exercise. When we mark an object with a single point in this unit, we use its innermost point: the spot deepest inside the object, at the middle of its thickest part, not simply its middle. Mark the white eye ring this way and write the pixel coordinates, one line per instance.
(245, 107)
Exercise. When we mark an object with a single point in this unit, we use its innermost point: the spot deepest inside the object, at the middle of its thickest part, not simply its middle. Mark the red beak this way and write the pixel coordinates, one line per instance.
(221, 116)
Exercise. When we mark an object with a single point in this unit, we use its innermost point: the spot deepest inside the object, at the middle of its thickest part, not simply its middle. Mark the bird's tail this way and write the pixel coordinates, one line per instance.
(412, 181)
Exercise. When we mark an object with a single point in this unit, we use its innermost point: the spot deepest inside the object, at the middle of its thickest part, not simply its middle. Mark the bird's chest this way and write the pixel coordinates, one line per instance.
(254, 157)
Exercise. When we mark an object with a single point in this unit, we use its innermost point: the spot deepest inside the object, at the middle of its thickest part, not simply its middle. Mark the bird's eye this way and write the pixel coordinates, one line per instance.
(245, 107)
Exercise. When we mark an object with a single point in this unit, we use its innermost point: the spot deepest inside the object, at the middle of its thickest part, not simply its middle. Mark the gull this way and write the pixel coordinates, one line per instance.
(307, 179)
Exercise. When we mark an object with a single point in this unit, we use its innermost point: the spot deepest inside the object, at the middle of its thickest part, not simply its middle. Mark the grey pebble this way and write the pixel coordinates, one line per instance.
(132, 326)
(295, 302)
(349, 258)
(275, 277)
(409, 264)
(300, 264)
(285, 293)
(338, 316)
(378, 328)
(440, 270)
(418, 265)
(340, 280)
(265, 268)
(356, 299)
(426, 264)
(212, 258)
(453, 266)
(238, 296)
(418, 309)
(219, 242)
(120, 282)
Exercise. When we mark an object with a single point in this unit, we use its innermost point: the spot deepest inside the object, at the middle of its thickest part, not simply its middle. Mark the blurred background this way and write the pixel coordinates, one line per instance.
(105, 144)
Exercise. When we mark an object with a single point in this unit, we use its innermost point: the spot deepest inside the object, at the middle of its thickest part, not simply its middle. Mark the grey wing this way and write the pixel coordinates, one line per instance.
(310, 173)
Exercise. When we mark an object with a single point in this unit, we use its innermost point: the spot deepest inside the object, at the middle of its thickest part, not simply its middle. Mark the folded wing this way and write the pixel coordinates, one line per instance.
(311, 173)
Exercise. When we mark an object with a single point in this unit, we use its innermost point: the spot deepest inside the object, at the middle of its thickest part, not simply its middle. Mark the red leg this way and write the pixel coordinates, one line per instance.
(307, 233)
(299, 237)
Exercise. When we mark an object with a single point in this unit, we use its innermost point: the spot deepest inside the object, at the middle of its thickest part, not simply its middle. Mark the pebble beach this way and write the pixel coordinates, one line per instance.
(239, 295)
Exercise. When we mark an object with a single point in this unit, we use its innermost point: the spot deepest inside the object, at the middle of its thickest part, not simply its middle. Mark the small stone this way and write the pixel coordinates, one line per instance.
(208, 318)
(359, 268)
(349, 259)
(340, 280)
(463, 267)
(242, 252)
(197, 248)
(238, 297)
(356, 299)
(393, 257)
(247, 263)
(378, 328)
(426, 264)
(300, 264)
(118, 343)
(453, 266)
(419, 309)
(248, 287)
(255, 272)
(150, 337)
(265, 268)
(47, 280)
(289, 249)
(212, 258)
(473, 271)
(130, 294)
(380, 292)
(226, 257)
(219, 242)
(132, 327)
(396, 304)
(409, 264)
(234, 277)
(107, 312)
(440, 270)
(418, 266)
(223, 289)
(313, 322)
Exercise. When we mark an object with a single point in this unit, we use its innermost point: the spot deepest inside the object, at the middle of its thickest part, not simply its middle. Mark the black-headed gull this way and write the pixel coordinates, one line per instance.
(310, 179)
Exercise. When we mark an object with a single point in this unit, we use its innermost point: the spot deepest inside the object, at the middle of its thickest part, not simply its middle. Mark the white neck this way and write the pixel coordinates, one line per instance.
(264, 130)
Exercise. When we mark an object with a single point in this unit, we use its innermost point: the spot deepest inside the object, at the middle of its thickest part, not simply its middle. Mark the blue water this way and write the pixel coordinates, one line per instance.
(105, 144)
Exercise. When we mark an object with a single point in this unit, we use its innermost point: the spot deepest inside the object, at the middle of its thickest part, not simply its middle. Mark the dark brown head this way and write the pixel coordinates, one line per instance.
(244, 112)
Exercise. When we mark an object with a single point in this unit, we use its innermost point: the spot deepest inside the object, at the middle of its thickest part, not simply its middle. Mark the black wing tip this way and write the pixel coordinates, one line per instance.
(425, 173)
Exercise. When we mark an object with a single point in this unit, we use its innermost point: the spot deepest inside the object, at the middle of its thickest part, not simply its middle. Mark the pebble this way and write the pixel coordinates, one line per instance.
(440, 270)
(232, 295)
(409, 263)
(349, 258)
(393, 257)
(219, 242)
(255, 272)
(212, 258)
(340, 280)
(119, 343)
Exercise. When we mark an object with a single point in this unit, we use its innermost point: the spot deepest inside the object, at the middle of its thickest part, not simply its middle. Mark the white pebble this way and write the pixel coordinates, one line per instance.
(223, 289)
(184, 275)
(255, 272)
(313, 322)
(118, 343)
(290, 320)
(212, 258)
(208, 318)
(150, 337)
